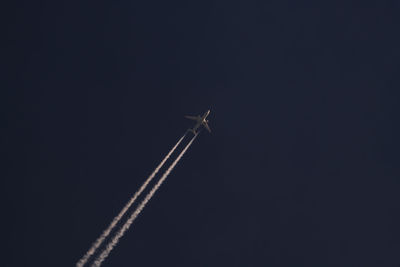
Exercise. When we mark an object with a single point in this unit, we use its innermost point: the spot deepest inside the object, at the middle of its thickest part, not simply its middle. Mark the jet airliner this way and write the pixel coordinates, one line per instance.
(200, 120)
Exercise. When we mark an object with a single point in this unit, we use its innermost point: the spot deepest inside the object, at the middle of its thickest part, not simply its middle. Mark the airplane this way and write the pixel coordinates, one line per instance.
(200, 120)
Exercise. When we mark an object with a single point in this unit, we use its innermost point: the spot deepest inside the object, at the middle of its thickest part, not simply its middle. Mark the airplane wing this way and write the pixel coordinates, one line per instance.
(206, 126)
(191, 118)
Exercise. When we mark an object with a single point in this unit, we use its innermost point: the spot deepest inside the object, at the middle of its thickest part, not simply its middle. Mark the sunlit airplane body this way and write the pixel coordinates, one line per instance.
(200, 120)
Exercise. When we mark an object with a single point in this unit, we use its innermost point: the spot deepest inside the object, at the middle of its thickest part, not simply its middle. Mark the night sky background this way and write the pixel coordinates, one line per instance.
(301, 169)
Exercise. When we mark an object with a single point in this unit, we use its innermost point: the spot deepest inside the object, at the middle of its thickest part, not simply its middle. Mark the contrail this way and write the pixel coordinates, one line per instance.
(128, 223)
(114, 222)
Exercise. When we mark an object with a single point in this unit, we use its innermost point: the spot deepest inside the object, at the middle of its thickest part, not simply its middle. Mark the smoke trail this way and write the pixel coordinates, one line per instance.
(114, 222)
(128, 223)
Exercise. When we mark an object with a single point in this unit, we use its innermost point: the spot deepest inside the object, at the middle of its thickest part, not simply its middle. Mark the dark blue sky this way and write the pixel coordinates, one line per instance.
(302, 166)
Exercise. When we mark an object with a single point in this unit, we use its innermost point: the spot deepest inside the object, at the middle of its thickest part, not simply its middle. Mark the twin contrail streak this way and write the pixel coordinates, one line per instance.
(128, 223)
(114, 222)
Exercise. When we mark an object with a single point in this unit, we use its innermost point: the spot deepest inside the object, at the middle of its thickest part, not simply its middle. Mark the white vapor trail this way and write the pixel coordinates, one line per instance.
(114, 222)
(128, 223)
